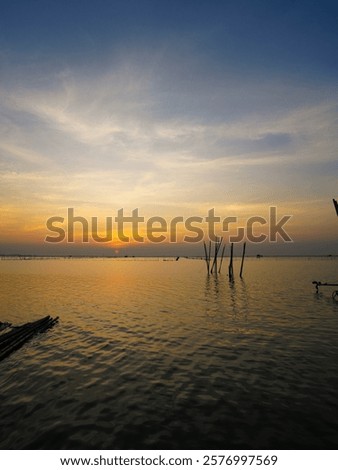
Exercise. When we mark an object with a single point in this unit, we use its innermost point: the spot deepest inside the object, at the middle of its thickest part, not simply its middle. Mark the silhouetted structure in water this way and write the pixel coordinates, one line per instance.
(335, 203)
(231, 268)
(212, 266)
(217, 246)
(330, 284)
(242, 262)
(19, 335)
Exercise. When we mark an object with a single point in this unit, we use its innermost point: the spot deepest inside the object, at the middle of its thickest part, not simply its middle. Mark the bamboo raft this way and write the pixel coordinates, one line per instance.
(19, 335)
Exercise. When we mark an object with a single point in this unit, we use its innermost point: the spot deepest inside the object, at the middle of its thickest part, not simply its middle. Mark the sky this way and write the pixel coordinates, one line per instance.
(171, 107)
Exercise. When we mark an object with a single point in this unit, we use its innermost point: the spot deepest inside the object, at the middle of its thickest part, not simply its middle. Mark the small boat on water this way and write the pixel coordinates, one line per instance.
(17, 336)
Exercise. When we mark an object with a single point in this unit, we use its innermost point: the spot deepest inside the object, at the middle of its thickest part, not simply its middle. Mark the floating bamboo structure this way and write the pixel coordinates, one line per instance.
(222, 256)
(4, 325)
(18, 336)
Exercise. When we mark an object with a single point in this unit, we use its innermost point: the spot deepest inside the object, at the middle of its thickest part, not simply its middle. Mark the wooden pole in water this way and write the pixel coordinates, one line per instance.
(13, 340)
(218, 245)
(215, 256)
(220, 266)
(206, 256)
(231, 271)
(242, 262)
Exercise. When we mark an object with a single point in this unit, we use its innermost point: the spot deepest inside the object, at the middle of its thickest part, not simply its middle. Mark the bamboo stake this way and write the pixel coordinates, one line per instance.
(231, 271)
(215, 256)
(220, 266)
(206, 256)
(217, 248)
(242, 262)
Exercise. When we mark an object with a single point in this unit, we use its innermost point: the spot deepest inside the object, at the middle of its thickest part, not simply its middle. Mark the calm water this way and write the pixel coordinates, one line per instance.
(154, 354)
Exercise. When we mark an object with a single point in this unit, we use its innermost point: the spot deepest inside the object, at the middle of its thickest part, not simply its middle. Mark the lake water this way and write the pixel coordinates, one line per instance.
(153, 354)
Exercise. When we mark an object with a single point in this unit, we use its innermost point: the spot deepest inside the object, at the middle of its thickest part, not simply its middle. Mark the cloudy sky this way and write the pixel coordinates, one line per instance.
(172, 107)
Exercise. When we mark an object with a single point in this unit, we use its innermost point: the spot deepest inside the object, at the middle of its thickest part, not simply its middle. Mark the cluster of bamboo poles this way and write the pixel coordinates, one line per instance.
(212, 252)
(18, 336)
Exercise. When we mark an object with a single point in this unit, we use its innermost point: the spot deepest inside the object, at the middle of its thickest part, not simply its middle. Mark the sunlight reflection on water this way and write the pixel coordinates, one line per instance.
(153, 354)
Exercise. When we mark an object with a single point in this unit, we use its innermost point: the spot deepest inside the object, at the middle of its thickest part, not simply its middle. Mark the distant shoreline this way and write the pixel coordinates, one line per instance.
(130, 257)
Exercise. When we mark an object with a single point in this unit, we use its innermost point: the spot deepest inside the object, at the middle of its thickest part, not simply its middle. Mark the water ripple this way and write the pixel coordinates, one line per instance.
(159, 355)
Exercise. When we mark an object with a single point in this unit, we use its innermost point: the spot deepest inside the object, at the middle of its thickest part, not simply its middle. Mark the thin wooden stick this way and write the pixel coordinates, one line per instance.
(206, 256)
(231, 271)
(220, 266)
(217, 248)
(215, 255)
(242, 262)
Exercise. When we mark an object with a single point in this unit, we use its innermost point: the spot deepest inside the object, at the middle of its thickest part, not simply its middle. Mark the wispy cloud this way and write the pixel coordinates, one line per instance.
(122, 115)
(24, 154)
(127, 137)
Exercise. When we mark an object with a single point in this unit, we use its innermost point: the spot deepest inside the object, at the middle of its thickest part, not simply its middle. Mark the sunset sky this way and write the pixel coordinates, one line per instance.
(171, 107)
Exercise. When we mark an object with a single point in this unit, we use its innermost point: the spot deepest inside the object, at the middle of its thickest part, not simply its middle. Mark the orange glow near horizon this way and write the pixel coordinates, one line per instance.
(305, 225)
